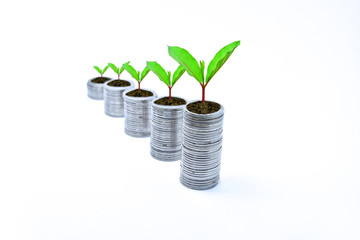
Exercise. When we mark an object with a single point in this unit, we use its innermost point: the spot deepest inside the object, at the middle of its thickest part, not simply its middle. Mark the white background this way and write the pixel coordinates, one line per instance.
(290, 165)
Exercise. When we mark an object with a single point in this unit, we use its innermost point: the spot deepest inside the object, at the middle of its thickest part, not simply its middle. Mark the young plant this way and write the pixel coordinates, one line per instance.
(136, 74)
(117, 70)
(166, 77)
(101, 71)
(185, 59)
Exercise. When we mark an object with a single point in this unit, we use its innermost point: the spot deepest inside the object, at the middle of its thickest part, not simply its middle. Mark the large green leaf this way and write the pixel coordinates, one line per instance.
(98, 69)
(219, 59)
(104, 70)
(185, 59)
(177, 74)
(114, 68)
(122, 68)
(131, 71)
(159, 71)
(144, 73)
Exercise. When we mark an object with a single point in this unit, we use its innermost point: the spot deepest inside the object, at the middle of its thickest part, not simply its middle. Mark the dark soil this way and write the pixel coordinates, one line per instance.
(100, 79)
(139, 93)
(174, 101)
(203, 108)
(119, 83)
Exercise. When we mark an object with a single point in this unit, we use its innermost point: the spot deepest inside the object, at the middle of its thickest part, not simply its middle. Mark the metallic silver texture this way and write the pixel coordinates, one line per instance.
(201, 152)
(137, 111)
(96, 90)
(114, 100)
(166, 131)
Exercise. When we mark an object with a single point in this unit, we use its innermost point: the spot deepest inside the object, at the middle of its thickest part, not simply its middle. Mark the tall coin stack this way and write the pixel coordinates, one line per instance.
(201, 153)
(166, 132)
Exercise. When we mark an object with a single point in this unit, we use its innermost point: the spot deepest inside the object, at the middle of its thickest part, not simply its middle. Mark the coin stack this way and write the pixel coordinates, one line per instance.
(138, 114)
(166, 132)
(201, 153)
(114, 100)
(95, 90)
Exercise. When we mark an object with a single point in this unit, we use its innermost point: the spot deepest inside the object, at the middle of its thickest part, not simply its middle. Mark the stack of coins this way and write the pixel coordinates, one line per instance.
(166, 132)
(114, 100)
(96, 90)
(137, 114)
(201, 152)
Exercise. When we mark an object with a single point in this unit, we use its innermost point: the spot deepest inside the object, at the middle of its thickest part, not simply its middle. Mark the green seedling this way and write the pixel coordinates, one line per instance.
(187, 61)
(166, 76)
(101, 71)
(136, 74)
(117, 70)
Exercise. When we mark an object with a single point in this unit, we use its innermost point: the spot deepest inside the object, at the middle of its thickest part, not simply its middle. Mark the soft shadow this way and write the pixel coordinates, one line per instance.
(238, 186)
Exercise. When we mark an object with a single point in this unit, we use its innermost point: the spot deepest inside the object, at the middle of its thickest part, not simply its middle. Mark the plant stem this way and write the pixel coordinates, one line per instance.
(203, 92)
(101, 75)
(169, 92)
(118, 76)
(139, 85)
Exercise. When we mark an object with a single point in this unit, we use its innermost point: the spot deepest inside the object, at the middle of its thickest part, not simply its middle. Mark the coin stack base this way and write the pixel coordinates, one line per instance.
(201, 152)
(137, 113)
(166, 132)
(114, 100)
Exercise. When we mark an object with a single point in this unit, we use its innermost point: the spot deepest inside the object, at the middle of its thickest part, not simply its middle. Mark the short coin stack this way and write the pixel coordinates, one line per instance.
(114, 100)
(95, 90)
(166, 132)
(137, 114)
(201, 153)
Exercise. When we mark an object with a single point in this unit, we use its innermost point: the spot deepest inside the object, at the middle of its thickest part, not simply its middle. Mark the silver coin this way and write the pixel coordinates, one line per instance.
(114, 100)
(166, 131)
(137, 113)
(202, 146)
(196, 185)
(96, 90)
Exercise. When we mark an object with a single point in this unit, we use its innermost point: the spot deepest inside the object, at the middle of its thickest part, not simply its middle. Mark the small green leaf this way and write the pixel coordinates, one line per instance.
(169, 76)
(98, 69)
(185, 59)
(177, 74)
(144, 73)
(220, 58)
(131, 71)
(122, 68)
(202, 66)
(159, 71)
(114, 68)
(104, 70)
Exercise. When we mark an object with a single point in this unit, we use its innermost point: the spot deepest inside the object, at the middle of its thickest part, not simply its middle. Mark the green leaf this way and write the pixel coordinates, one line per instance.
(177, 74)
(131, 71)
(159, 71)
(98, 69)
(220, 58)
(144, 73)
(114, 68)
(202, 67)
(122, 68)
(104, 70)
(169, 76)
(185, 59)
